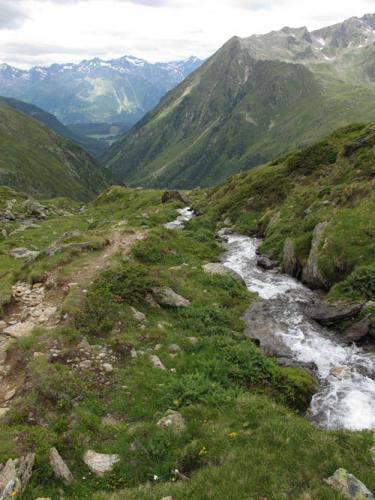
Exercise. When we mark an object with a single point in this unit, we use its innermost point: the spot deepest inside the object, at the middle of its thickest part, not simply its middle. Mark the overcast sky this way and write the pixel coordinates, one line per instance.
(40, 32)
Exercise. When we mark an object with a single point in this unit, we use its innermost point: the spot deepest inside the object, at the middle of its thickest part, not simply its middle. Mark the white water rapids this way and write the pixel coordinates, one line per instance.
(346, 395)
(185, 214)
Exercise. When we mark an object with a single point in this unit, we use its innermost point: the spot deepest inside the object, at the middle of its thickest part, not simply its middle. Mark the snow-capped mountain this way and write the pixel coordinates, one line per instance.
(96, 90)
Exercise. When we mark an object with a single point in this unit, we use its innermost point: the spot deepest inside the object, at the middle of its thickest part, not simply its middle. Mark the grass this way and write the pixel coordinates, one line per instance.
(287, 198)
(246, 433)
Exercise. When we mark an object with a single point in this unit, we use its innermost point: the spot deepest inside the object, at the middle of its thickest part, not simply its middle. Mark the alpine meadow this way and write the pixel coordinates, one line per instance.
(187, 250)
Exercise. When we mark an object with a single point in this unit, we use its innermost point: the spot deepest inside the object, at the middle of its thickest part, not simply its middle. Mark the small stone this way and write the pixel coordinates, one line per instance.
(3, 325)
(59, 467)
(158, 347)
(173, 348)
(100, 463)
(3, 412)
(133, 354)
(84, 365)
(349, 486)
(220, 269)
(137, 315)
(10, 395)
(155, 360)
(111, 421)
(108, 368)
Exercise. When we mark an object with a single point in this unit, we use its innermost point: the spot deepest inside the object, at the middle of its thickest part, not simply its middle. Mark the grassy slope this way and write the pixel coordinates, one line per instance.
(93, 147)
(289, 197)
(235, 112)
(243, 437)
(36, 160)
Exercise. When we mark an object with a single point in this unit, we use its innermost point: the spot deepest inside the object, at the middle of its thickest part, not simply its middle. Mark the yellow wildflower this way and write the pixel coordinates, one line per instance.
(203, 451)
(232, 435)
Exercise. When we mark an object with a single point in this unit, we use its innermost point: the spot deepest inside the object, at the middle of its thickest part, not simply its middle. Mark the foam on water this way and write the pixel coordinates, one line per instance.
(186, 214)
(345, 399)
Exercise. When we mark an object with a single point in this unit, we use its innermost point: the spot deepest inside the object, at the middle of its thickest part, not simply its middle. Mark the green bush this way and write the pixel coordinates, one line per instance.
(360, 285)
(204, 320)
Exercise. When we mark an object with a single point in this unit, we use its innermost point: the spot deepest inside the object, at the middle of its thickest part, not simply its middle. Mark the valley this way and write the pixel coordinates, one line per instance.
(187, 287)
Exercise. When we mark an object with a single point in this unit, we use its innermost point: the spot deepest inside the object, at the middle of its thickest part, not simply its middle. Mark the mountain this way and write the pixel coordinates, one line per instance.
(251, 101)
(92, 146)
(94, 91)
(42, 164)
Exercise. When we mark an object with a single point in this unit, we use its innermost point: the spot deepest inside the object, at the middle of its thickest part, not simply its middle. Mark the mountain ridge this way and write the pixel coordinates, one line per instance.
(261, 96)
(95, 90)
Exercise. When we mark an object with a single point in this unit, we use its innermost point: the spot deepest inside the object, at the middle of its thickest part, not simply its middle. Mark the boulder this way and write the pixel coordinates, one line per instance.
(328, 314)
(291, 264)
(19, 329)
(265, 263)
(100, 463)
(349, 486)
(24, 253)
(156, 361)
(172, 420)
(312, 275)
(35, 209)
(217, 268)
(174, 195)
(138, 315)
(359, 330)
(59, 467)
(15, 475)
(166, 297)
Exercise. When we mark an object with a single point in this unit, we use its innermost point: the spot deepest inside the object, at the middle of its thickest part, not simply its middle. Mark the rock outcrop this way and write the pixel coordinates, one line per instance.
(166, 297)
(291, 264)
(328, 314)
(312, 275)
(174, 195)
(59, 467)
(100, 463)
(349, 486)
(217, 268)
(15, 475)
(359, 330)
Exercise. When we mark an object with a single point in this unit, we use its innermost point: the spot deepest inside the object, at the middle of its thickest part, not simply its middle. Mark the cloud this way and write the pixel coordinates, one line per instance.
(11, 15)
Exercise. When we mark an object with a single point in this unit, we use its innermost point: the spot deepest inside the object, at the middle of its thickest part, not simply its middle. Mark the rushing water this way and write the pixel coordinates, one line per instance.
(346, 393)
(185, 214)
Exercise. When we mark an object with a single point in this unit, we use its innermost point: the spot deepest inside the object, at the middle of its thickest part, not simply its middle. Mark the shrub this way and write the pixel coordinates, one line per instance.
(360, 285)
(204, 320)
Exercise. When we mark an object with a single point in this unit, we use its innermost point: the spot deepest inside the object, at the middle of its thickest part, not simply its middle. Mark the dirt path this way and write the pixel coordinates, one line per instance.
(36, 305)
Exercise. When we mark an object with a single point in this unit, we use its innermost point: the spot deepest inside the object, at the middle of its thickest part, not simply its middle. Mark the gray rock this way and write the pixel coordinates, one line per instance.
(312, 275)
(359, 330)
(174, 348)
(291, 264)
(59, 467)
(15, 475)
(349, 486)
(217, 268)
(100, 463)
(24, 253)
(174, 195)
(166, 297)
(138, 315)
(172, 420)
(19, 329)
(265, 263)
(35, 209)
(328, 314)
(156, 361)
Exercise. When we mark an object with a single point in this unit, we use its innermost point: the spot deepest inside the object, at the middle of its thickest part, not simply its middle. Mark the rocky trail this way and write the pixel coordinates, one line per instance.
(39, 305)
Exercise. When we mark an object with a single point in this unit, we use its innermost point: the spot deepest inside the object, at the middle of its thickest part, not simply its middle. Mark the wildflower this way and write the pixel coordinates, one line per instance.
(202, 451)
(232, 435)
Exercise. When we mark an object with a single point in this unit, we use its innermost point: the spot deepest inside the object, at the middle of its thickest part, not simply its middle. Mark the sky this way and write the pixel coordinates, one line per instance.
(41, 32)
